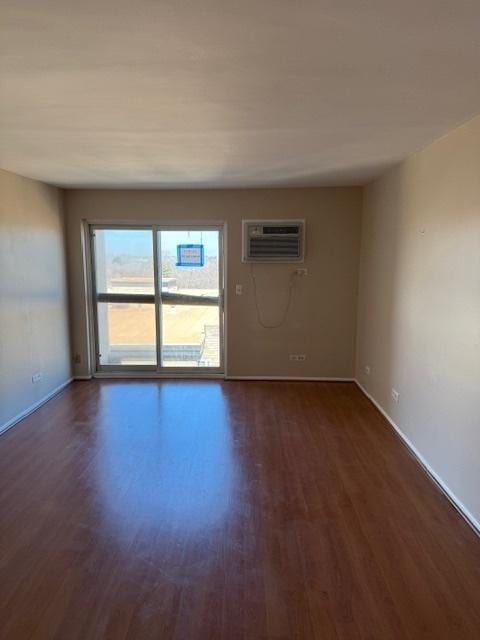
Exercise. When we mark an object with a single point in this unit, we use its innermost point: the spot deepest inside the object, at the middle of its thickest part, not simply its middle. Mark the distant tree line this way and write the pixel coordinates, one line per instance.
(128, 266)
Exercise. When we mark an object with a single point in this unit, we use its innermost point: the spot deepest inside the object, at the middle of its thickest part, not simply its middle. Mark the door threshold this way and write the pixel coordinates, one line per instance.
(155, 375)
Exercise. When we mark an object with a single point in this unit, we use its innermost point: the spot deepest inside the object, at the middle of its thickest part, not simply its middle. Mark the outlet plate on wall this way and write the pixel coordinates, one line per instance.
(36, 377)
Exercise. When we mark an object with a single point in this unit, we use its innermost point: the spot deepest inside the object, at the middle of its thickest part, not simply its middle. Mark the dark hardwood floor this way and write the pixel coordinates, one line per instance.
(204, 510)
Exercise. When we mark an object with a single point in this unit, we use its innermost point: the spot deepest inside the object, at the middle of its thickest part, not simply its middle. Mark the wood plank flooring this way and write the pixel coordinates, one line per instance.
(205, 510)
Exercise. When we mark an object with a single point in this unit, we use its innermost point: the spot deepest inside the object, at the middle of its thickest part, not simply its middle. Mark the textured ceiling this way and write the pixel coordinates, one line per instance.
(222, 93)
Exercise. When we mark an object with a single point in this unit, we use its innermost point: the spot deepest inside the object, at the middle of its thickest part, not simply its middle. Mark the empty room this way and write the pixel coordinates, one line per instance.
(239, 320)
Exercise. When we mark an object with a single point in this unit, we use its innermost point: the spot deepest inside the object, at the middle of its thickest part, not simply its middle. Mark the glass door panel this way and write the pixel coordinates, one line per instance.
(157, 297)
(126, 334)
(191, 336)
(124, 261)
(125, 297)
(190, 298)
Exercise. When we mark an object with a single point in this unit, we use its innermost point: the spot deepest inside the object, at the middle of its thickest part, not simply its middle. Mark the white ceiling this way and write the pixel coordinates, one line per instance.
(186, 93)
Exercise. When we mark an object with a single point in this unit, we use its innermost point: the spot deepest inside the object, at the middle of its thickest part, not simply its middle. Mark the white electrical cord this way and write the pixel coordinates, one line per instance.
(257, 306)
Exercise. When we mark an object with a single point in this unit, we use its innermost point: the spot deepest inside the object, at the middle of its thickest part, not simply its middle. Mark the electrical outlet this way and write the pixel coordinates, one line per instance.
(395, 395)
(36, 377)
(367, 370)
(298, 357)
(77, 358)
(301, 272)
(238, 289)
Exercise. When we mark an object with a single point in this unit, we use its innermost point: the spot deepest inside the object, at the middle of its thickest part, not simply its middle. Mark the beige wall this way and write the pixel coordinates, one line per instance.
(419, 305)
(33, 295)
(323, 317)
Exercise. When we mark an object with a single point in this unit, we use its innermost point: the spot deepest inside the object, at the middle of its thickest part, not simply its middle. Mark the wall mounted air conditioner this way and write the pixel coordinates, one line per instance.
(273, 240)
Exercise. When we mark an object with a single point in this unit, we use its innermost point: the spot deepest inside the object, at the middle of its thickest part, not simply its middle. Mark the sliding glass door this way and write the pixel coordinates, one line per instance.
(125, 298)
(190, 298)
(158, 298)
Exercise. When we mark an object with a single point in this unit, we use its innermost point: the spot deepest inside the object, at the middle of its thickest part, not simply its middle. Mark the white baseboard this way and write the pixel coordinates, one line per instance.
(33, 407)
(82, 377)
(458, 504)
(291, 378)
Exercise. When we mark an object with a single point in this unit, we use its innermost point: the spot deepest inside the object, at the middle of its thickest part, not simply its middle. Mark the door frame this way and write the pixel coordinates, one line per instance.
(152, 371)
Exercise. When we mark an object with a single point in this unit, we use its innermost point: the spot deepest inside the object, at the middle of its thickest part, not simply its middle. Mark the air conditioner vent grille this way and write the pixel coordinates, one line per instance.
(273, 241)
(277, 246)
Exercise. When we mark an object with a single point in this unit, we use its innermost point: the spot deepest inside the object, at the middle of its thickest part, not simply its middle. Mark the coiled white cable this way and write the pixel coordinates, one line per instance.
(287, 307)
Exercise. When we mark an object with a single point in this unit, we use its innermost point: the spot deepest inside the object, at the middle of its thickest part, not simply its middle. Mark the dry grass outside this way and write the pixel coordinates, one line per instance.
(135, 324)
